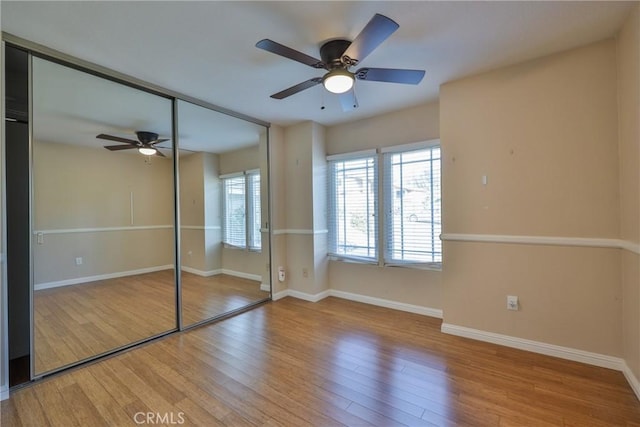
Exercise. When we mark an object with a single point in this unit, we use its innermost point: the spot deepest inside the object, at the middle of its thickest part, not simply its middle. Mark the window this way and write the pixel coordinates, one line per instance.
(241, 211)
(412, 206)
(353, 189)
(410, 211)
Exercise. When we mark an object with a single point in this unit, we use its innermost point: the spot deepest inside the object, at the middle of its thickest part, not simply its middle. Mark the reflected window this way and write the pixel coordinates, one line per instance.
(242, 211)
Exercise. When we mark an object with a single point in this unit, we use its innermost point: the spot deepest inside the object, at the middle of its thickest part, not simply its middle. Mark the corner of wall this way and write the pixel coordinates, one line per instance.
(628, 91)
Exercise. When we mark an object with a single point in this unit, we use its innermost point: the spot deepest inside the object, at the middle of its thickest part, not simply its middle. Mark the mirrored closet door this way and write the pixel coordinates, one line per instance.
(223, 213)
(103, 246)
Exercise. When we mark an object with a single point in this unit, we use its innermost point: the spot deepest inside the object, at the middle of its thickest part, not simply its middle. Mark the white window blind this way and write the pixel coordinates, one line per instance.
(411, 191)
(234, 198)
(353, 189)
(242, 210)
(255, 217)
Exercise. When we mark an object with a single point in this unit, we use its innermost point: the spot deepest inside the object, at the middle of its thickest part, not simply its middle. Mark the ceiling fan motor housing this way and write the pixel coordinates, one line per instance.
(331, 53)
(146, 137)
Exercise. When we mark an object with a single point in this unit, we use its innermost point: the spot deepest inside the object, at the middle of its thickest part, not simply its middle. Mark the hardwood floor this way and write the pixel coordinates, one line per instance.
(335, 362)
(80, 321)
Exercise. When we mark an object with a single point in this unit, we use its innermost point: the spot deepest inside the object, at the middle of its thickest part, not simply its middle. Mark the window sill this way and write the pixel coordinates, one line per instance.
(241, 248)
(427, 267)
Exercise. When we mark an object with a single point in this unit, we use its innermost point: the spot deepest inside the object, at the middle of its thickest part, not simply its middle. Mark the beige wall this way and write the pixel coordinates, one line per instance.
(628, 47)
(299, 207)
(299, 146)
(545, 133)
(200, 212)
(298, 197)
(89, 187)
(413, 124)
(240, 160)
(404, 285)
(76, 187)
(278, 209)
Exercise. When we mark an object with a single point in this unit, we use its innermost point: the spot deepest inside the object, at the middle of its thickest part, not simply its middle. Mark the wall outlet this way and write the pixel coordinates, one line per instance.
(305, 272)
(79, 261)
(512, 302)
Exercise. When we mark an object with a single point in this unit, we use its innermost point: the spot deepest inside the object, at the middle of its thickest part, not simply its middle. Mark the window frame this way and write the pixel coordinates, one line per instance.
(387, 225)
(383, 201)
(331, 193)
(249, 210)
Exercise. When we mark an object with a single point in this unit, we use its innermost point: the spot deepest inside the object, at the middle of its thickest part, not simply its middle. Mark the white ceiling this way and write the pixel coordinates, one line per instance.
(206, 49)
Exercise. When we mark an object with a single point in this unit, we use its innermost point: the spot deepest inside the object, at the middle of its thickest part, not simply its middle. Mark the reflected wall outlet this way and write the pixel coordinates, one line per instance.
(512, 302)
(79, 260)
(305, 272)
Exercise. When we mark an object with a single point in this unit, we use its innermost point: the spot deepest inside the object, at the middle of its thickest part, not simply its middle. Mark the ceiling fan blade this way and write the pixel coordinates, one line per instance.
(158, 141)
(297, 88)
(117, 139)
(390, 75)
(159, 154)
(287, 52)
(348, 101)
(377, 30)
(119, 147)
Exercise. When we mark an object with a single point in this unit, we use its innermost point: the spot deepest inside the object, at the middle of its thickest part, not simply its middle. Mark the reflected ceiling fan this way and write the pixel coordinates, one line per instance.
(145, 144)
(340, 55)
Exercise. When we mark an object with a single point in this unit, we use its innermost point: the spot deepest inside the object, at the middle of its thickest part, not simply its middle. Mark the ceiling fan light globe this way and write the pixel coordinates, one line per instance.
(338, 81)
(147, 151)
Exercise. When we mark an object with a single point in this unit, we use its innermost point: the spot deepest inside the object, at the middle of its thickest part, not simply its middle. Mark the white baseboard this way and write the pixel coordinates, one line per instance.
(88, 279)
(4, 393)
(308, 297)
(426, 311)
(279, 295)
(567, 353)
(201, 272)
(632, 380)
(265, 287)
(417, 309)
(242, 275)
(78, 280)
(300, 295)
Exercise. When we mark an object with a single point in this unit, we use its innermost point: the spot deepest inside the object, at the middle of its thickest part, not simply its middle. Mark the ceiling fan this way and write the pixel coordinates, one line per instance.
(145, 144)
(339, 55)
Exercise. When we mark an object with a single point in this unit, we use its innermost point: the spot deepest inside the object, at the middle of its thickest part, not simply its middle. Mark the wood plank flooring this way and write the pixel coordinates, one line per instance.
(80, 321)
(206, 297)
(335, 362)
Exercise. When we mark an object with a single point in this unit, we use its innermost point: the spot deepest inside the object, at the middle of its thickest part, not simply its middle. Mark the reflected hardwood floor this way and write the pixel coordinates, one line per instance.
(80, 321)
(206, 297)
(335, 362)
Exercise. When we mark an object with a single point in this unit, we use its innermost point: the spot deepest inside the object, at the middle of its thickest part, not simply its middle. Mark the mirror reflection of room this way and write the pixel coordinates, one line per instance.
(223, 188)
(103, 216)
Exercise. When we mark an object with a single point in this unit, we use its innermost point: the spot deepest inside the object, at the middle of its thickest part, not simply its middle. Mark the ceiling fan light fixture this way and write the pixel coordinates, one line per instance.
(147, 151)
(338, 81)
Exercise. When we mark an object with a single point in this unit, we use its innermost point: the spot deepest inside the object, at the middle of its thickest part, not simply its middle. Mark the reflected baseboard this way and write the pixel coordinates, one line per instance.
(4, 393)
(242, 275)
(228, 272)
(88, 279)
(265, 287)
(202, 273)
